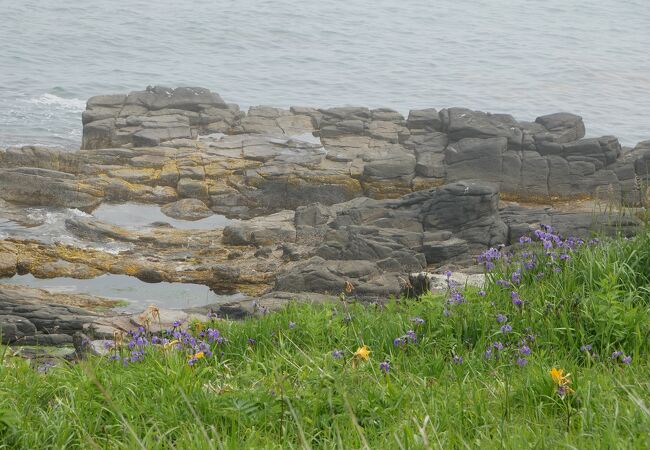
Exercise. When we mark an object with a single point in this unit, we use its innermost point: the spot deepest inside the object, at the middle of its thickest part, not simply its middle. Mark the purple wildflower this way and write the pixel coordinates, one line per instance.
(498, 345)
(385, 367)
(525, 240)
(521, 362)
(617, 354)
(585, 348)
(501, 318)
(292, 324)
(411, 336)
(626, 359)
(337, 354)
(562, 391)
(417, 320)
(481, 293)
(518, 302)
(507, 328)
(524, 350)
(516, 277)
(488, 353)
(214, 336)
(458, 359)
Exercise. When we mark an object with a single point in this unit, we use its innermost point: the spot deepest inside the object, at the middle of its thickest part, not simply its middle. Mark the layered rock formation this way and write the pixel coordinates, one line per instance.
(326, 196)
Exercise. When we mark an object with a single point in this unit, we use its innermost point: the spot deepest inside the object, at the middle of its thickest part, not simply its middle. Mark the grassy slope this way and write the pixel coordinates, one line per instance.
(287, 390)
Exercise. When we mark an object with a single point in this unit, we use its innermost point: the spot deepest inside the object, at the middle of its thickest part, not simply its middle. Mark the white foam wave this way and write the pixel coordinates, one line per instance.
(71, 104)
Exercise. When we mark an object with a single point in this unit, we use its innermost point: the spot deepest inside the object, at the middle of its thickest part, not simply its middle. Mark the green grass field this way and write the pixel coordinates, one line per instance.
(469, 369)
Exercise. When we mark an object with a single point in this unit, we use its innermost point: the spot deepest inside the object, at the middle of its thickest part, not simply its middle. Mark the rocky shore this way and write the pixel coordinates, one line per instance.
(321, 198)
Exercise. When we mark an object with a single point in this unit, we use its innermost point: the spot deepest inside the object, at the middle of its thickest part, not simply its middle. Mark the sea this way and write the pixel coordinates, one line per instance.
(522, 57)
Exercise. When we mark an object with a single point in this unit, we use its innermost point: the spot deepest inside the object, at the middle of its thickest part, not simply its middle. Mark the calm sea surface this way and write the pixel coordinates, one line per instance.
(526, 58)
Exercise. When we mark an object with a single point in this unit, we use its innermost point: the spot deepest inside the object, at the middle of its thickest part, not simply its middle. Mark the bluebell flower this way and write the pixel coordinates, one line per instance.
(411, 336)
(516, 277)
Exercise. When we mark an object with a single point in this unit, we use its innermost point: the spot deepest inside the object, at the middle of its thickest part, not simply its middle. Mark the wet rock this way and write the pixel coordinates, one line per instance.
(187, 209)
(8, 263)
(98, 231)
(149, 276)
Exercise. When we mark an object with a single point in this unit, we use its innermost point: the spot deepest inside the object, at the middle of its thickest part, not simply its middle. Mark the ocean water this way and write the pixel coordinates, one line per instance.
(514, 56)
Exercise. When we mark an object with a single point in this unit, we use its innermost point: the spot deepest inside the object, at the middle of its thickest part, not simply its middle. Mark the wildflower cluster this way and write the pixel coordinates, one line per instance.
(196, 343)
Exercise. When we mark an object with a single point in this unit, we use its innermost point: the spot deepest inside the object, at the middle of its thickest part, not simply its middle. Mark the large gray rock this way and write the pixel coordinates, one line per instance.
(43, 187)
(461, 123)
(188, 98)
(274, 229)
(13, 328)
(562, 127)
(473, 158)
(26, 311)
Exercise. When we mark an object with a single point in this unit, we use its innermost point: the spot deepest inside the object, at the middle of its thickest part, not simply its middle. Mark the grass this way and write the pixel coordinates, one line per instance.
(287, 390)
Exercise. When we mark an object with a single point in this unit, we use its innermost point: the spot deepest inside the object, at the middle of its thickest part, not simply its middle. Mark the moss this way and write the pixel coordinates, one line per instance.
(383, 189)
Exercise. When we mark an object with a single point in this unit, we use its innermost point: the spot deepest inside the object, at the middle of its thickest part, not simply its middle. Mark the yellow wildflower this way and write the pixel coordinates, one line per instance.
(362, 353)
(562, 381)
(559, 377)
(197, 355)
